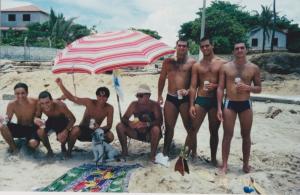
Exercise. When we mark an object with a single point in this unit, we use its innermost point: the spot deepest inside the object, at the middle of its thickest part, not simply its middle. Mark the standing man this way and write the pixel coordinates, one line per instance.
(60, 119)
(204, 83)
(24, 108)
(237, 77)
(178, 72)
(95, 109)
(147, 123)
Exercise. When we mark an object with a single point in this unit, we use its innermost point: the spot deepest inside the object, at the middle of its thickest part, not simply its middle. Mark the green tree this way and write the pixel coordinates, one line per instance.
(265, 22)
(152, 33)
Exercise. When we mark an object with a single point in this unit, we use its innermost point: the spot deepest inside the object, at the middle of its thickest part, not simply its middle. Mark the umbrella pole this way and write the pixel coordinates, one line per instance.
(73, 78)
(119, 106)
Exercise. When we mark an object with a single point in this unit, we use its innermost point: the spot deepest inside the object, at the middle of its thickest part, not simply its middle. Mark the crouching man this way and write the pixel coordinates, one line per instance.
(60, 119)
(147, 122)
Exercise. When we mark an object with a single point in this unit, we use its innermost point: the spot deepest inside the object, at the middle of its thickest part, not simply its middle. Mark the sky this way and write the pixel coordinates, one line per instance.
(164, 16)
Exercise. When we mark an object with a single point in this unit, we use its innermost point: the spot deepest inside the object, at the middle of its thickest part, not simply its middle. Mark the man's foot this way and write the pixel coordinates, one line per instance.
(221, 171)
(247, 168)
(214, 162)
(50, 154)
(13, 151)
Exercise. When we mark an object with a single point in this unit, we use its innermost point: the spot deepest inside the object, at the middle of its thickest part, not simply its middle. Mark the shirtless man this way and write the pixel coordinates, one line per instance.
(205, 75)
(178, 72)
(60, 119)
(24, 108)
(97, 109)
(237, 77)
(147, 123)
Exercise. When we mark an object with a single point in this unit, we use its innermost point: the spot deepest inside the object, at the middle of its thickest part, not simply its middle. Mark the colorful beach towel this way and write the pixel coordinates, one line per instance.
(89, 178)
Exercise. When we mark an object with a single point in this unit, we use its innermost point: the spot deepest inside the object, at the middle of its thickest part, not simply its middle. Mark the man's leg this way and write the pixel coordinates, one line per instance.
(109, 137)
(228, 126)
(73, 136)
(155, 136)
(170, 115)
(6, 134)
(187, 122)
(246, 118)
(123, 131)
(33, 143)
(62, 137)
(191, 140)
(214, 125)
(44, 138)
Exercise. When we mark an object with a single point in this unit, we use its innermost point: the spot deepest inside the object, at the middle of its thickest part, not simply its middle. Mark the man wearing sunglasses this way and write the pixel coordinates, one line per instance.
(177, 70)
(146, 124)
(96, 110)
(240, 77)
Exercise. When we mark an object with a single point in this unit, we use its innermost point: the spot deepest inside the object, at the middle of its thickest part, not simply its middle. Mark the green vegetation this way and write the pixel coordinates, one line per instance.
(57, 32)
(227, 23)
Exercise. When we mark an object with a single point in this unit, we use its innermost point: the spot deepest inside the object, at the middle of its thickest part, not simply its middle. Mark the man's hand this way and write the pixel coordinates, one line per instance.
(39, 122)
(193, 111)
(58, 81)
(211, 86)
(160, 100)
(220, 115)
(241, 87)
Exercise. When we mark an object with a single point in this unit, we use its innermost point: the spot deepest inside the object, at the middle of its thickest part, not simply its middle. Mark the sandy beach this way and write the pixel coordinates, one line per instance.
(275, 149)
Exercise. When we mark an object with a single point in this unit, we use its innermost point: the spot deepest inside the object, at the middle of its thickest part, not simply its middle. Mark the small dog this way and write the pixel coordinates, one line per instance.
(98, 145)
(111, 152)
(101, 149)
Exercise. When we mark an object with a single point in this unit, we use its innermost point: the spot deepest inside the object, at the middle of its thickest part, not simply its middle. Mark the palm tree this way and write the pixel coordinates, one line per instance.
(274, 24)
(265, 23)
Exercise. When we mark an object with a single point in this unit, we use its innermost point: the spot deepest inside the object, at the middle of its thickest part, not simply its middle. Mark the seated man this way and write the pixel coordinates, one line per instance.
(60, 119)
(147, 123)
(96, 111)
(24, 109)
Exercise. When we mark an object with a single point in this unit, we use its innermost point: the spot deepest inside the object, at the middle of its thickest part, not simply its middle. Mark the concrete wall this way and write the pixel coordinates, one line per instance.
(27, 53)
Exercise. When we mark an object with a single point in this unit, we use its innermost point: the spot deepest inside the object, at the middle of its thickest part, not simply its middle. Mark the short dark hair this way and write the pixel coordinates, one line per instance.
(21, 85)
(206, 38)
(183, 40)
(103, 89)
(45, 94)
(238, 42)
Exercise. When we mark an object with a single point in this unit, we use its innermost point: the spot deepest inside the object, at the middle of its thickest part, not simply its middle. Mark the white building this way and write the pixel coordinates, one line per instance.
(18, 18)
(255, 40)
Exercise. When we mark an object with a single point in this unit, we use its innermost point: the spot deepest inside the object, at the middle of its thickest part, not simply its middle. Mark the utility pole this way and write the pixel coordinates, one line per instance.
(202, 33)
(0, 28)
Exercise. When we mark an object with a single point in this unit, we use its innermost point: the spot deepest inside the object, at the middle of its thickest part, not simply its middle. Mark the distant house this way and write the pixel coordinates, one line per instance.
(18, 18)
(255, 40)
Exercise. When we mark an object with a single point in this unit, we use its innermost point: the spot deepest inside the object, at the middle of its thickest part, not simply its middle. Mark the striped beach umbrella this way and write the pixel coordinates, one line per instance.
(111, 50)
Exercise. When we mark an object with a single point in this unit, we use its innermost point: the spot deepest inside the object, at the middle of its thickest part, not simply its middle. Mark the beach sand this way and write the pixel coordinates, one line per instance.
(275, 149)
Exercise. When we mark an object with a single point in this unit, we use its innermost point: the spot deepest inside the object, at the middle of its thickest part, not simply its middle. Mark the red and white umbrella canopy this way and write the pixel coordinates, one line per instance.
(107, 51)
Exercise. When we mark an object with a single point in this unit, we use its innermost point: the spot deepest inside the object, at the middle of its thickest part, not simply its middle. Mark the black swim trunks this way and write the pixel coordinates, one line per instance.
(238, 106)
(23, 131)
(207, 102)
(85, 133)
(56, 123)
(177, 102)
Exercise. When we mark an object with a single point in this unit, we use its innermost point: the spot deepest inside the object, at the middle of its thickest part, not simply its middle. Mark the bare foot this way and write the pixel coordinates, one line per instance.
(50, 154)
(214, 162)
(247, 168)
(221, 171)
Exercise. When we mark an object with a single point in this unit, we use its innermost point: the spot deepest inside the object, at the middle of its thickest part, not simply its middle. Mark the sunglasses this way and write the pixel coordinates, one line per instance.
(140, 95)
(184, 46)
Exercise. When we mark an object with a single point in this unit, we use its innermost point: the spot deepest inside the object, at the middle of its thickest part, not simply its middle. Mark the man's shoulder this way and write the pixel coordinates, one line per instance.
(220, 60)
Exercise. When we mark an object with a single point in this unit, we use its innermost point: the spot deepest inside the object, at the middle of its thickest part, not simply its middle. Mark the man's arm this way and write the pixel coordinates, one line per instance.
(158, 116)
(65, 110)
(128, 113)
(109, 119)
(193, 89)
(10, 110)
(256, 81)
(70, 96)
(220, 91)
(162, 81)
